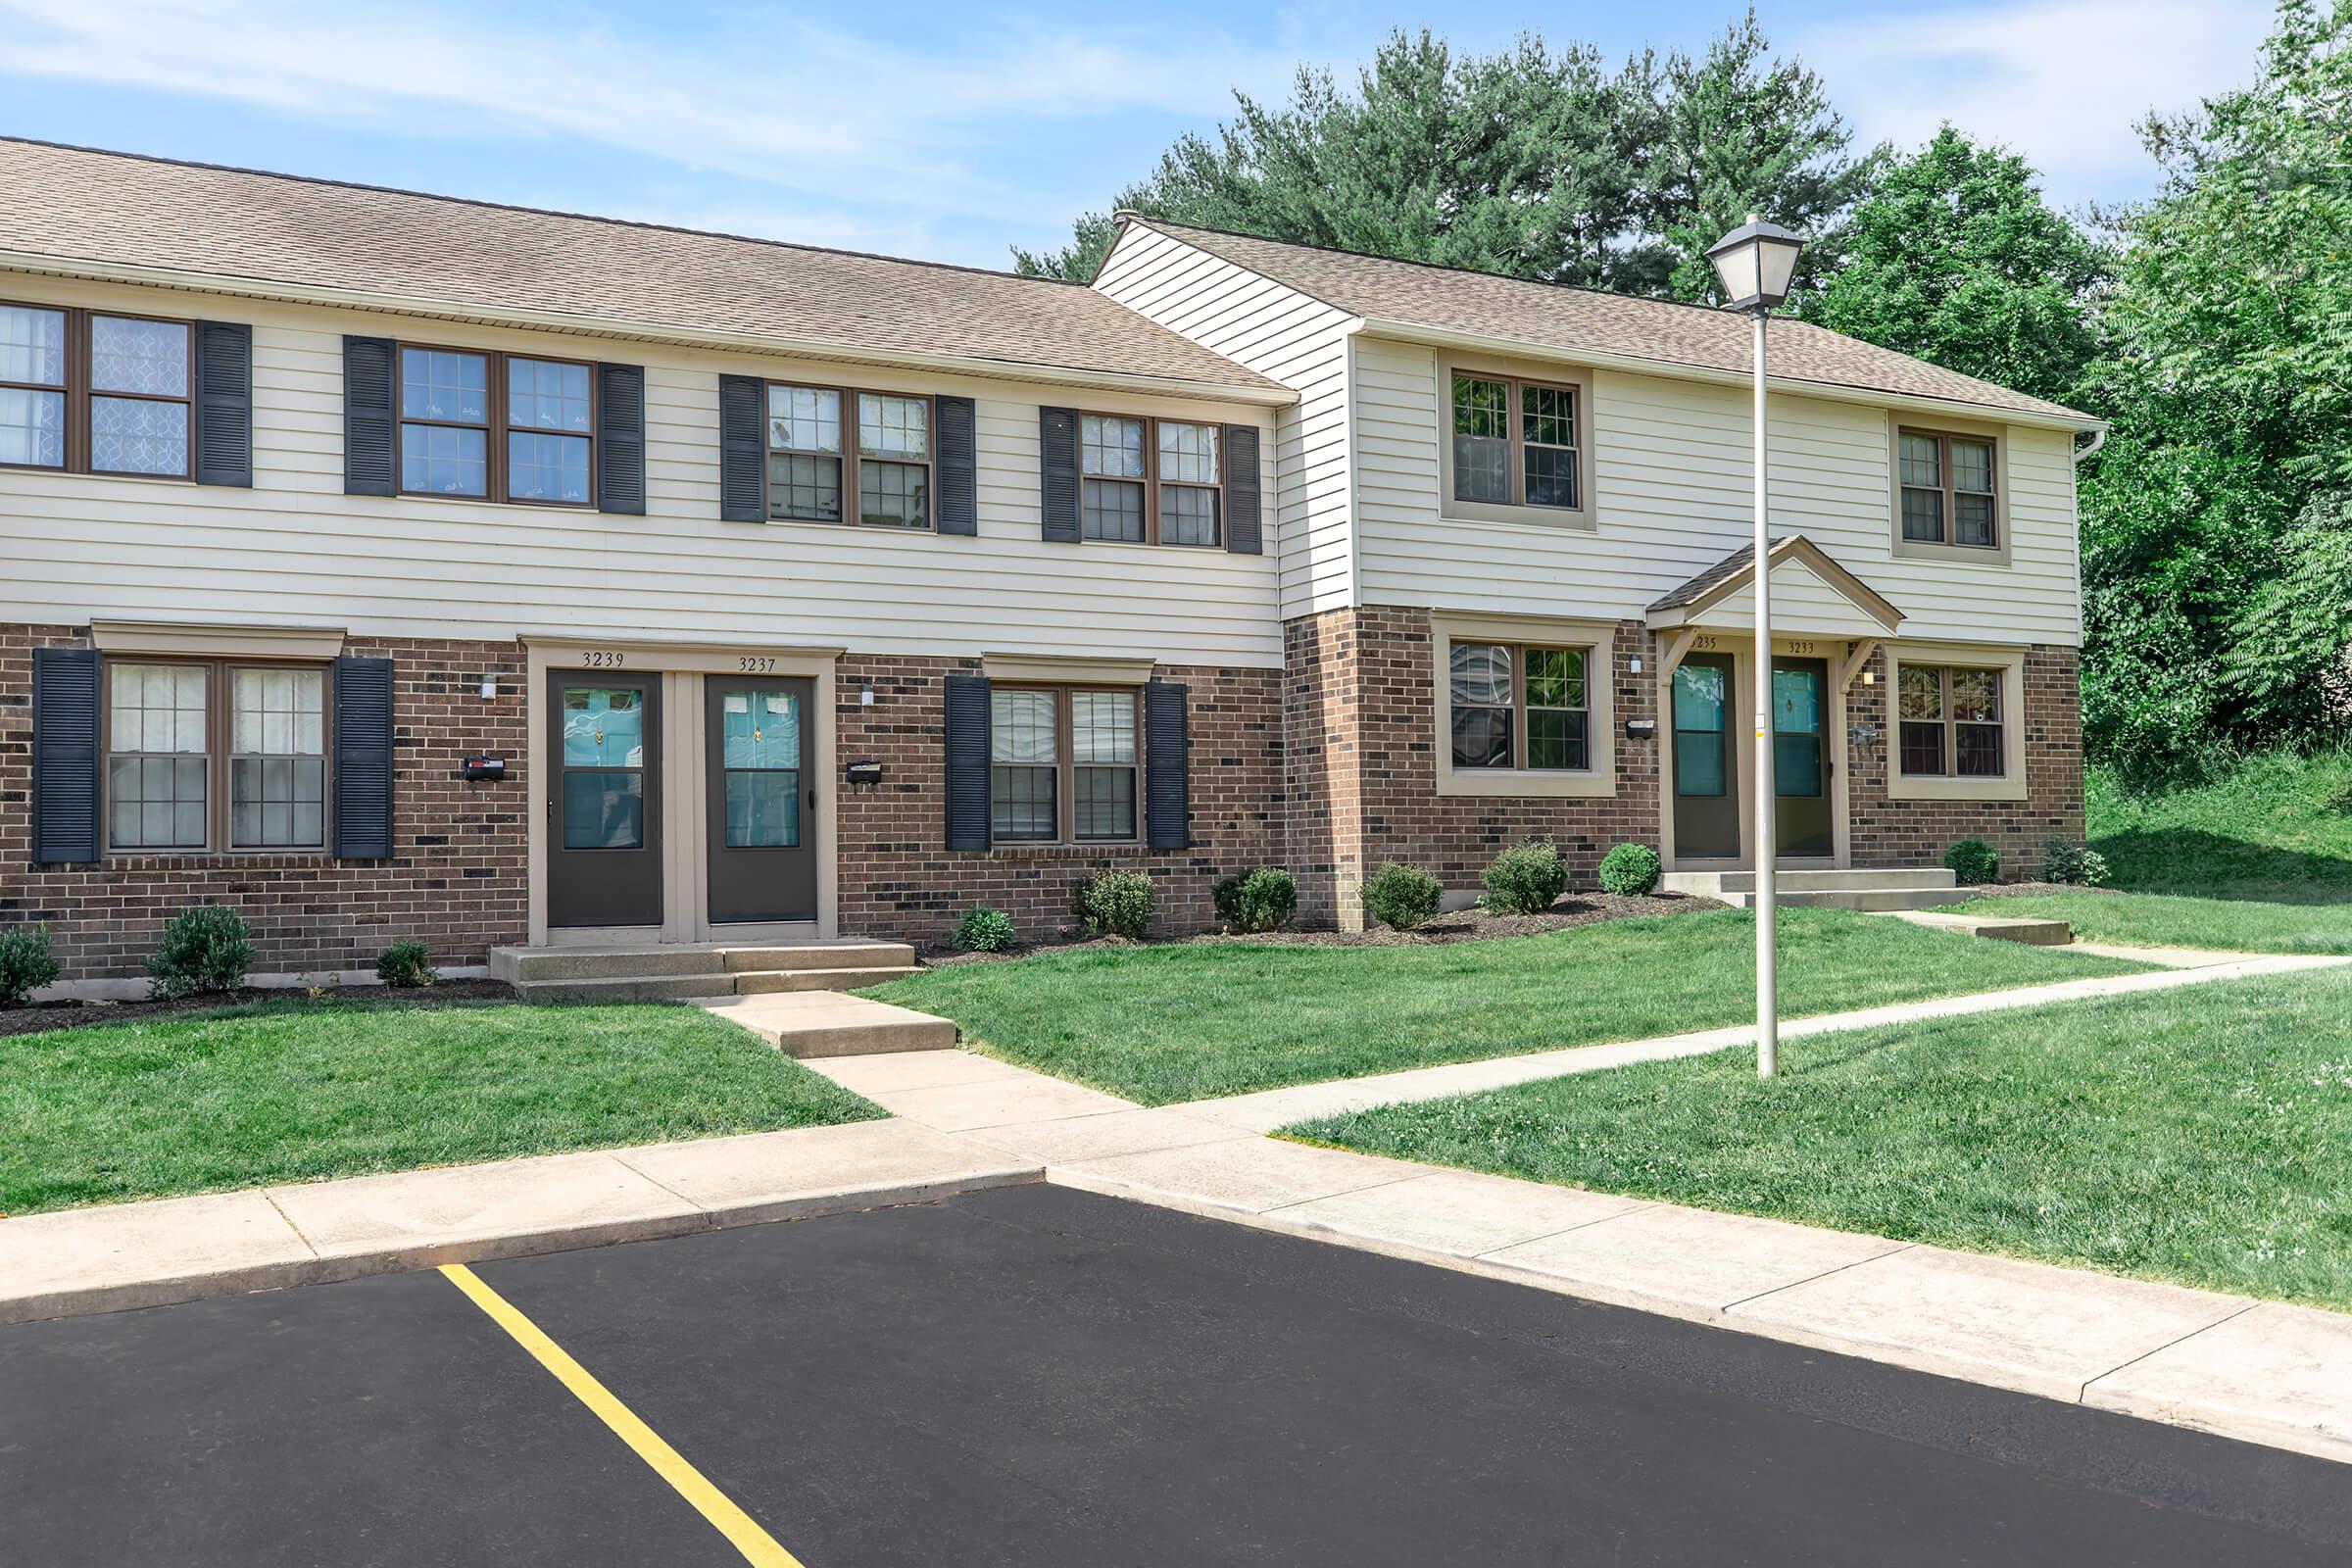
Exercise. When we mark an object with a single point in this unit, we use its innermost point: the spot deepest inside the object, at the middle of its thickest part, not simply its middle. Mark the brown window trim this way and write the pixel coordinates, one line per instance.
(1066, 801)
(495, 425)
(1950, 723)
(1950, 538)
(220, 732)
(1513, 386)
(1519, 733)
(1151, 482)
(852, 491)
(78, 391)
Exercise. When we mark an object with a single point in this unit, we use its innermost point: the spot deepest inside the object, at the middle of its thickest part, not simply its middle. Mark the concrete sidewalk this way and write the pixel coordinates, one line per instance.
(2263, 1372)
(122, 1255)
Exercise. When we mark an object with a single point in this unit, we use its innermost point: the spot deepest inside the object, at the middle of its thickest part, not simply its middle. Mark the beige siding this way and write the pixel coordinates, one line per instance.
(1670, 467)
(1295, 340)
(295, 550)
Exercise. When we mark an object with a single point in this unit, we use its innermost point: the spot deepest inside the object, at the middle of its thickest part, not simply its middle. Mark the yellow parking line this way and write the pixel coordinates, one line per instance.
(756, 1545)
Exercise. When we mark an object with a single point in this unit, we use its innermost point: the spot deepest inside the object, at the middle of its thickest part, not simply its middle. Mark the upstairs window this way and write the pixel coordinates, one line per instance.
(496, 427)
(1947, 489)
(94, 393)
(804, 454)
(1518, 706)
(894, 460)
(1516, 443)
(1113, 486)
(1950, 721)
(1150, 481)
(815, 476)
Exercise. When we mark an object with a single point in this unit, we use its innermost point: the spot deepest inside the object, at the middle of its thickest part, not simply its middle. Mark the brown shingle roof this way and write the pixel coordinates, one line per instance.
(75, 205)
(1546, 316)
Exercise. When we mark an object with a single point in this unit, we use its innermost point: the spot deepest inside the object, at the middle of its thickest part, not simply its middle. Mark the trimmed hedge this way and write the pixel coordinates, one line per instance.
(1260, 899)
(1401, 896)
(1630, 870)
(1526, 878)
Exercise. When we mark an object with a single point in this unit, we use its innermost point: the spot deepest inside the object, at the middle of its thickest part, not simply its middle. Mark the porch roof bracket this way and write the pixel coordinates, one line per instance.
(1857, 655)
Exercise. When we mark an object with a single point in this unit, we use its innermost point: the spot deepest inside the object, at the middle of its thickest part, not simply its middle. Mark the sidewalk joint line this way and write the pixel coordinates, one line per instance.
(1898, 1248)
(2183, 1339)
(269, 1197)
(1640, 1205)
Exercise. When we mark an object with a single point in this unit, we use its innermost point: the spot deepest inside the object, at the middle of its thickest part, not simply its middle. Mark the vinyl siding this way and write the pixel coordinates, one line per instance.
(1281, 333)
(295, 549)
(1670, 470)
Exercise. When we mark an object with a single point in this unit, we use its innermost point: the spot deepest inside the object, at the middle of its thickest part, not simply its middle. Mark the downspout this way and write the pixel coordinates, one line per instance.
(2098, 439)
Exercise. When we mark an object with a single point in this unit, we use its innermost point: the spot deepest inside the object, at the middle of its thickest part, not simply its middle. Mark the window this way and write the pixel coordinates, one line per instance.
(1062, 766)
(1950, 721)
(1519, 707)
(1516, 443)
(94, 393)
(496, 427)
(1150, 481)
(1947, 489)
(811, 474)
(201, 756)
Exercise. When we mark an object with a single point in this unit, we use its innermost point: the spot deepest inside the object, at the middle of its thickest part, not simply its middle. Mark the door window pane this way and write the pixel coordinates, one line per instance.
(1698, 763)
(33, 345)
(33, 428)
(604, 809)
(1796, 702)
(132, 435)
(1698, 697)
(547, 467)
(149, 358)
(762, 729)
(1699, 752)
(1795, 765)
(763, 810)
(604, 727)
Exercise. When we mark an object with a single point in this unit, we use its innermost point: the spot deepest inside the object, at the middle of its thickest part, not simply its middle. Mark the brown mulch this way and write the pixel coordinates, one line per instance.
(1459, 926)
(41, 1016)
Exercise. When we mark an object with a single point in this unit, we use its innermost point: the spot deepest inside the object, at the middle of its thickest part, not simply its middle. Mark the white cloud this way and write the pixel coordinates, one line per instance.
(2061, 81)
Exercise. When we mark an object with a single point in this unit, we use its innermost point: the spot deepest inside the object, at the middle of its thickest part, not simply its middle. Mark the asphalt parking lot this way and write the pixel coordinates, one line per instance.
(1038, 1377)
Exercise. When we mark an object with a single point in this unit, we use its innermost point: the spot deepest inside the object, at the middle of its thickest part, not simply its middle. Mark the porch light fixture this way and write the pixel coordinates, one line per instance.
(489, 685)
(1754, 264)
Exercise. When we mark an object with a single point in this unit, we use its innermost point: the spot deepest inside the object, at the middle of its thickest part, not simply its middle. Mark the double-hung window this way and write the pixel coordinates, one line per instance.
(1519, 707)
(92, 392)
(212, 756)
(1063, 766)
(1950, 721)
(496, 427)
(813, 472)
(1150, 481)
(1514, 442)
(1947, 489)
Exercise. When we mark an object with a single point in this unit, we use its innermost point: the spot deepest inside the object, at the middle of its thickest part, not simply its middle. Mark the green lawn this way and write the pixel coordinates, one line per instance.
(2168, 920)
(284, 1092)
(2196, 1134)
(1198, 1020)
(2275, 828)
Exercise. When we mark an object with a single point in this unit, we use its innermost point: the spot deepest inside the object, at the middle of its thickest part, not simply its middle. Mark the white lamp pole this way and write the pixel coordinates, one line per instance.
(1754, 264)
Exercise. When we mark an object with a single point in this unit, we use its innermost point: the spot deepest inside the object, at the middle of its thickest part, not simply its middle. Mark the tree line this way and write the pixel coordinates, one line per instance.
(2211, 324)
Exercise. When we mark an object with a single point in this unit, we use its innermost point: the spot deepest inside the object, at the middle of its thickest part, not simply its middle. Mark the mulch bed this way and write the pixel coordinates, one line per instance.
(1461, 925)
(42, 1016)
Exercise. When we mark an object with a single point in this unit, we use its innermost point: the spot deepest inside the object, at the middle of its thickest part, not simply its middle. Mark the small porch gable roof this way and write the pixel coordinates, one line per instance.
(1713, 596)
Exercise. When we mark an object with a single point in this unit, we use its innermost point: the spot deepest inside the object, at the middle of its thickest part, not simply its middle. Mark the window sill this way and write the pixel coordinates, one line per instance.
(851, 526)
(1524, 784)
(1064, 849)
(1971, 555)
(127, 859)
(1460, 511)
(1940, 787)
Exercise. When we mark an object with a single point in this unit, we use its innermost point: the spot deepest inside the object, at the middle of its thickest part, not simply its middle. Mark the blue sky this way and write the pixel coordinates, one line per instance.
(914, 128)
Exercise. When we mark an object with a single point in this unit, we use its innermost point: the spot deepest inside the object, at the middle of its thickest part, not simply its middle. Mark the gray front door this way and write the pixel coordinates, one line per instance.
(762, 798)
(1706, 773)
(604, 809)
(1800, 764)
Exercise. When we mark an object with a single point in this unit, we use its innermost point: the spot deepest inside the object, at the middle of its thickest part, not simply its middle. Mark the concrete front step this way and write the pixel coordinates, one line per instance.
(843, 954)
(2033, 933)
(673, 971)
(818, 1023)
(1868, 901)
(759, 982)
(1848, 879)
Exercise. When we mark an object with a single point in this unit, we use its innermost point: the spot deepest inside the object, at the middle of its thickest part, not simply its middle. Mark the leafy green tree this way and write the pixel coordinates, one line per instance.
(1955, 258)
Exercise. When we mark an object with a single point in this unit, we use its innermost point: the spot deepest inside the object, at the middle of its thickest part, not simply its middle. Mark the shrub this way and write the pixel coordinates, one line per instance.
(984, 930)
(1259, 899)
(1973, 861)
(2065, 861)
(1400, 896)
(25, 964)
(1526, 878)
(408, 962)
(1630, 870)
(1114, 904)
(203, 948)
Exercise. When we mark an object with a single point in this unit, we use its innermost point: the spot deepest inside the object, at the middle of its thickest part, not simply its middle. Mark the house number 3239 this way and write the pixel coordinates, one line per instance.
(602, 658)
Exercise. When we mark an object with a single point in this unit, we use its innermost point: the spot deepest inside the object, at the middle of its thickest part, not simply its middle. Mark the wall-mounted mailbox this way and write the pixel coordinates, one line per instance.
(1640, 729)
(485, 767)
(865, 771)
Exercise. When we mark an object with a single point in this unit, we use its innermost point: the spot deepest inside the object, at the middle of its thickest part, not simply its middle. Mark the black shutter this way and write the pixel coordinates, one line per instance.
(1057, 473)
(742, 449)
(370, 427)
(65, 754)
(223, 403)
(620, 439)
(1167, 765)
(968, 762)
(1244, 535)
(958, 465)
(363, 759)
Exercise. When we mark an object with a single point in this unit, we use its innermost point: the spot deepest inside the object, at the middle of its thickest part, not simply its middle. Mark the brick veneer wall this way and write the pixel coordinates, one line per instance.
(899, 880)
(457, 878)
(1323, 833)
(1887, 832)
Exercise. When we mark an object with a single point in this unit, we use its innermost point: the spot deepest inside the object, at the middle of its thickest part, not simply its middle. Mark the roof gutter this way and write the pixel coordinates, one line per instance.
(640, 331)
(1413, 332)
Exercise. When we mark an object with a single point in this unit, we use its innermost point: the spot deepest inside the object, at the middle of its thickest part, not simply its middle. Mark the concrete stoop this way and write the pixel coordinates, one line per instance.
(822, 1023)
(1870, 891)
(686, 971)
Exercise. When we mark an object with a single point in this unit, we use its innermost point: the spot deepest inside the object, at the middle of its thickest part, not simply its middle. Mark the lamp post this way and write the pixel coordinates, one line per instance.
(1754, 263)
